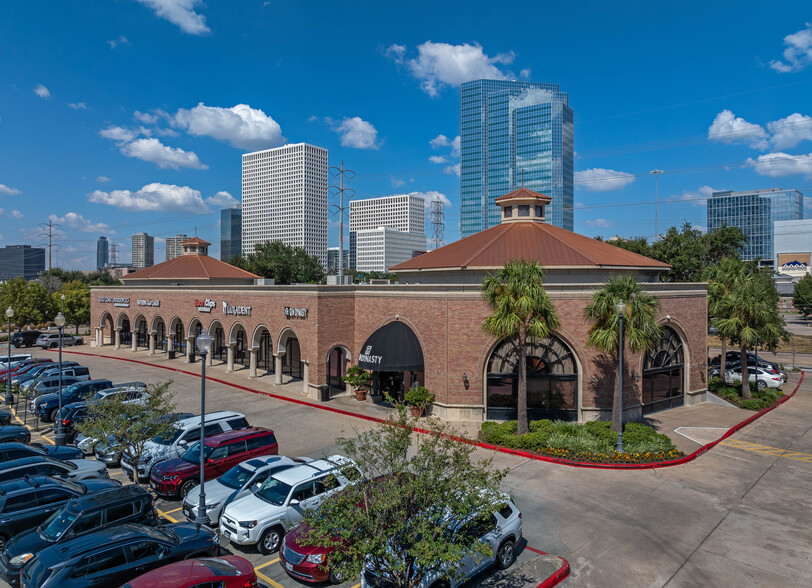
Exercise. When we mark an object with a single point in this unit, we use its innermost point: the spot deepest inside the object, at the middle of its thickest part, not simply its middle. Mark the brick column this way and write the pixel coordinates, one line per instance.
(152, 343)
(190, 343)
(277, 372)
(230, 362)
(305, 377)
(134, 342)
(252, 363)
(170, 344)
(118, 338)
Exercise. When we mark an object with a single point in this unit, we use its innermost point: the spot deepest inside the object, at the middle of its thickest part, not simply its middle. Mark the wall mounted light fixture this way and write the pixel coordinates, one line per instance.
(465, 380)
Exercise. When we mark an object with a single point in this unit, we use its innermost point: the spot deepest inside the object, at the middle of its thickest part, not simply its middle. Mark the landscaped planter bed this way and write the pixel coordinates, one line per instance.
(733, 393)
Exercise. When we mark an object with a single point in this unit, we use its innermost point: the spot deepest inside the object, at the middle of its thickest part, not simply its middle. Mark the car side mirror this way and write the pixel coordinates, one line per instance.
(294, 502)
(183, 442)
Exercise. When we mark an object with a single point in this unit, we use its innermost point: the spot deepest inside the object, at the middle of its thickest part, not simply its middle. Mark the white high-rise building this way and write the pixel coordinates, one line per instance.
(143, 250)
(403, 213)
(284, 198)
(173, 248)
(379, 249)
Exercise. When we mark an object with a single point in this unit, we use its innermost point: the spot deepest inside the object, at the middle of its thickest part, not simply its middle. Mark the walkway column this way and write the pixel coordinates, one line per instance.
(152, 343)
(210, 359)
(98, 337)
(118, 338)
(190, 343)
(134, 342)
(277, 372)
(230, 362)
(252, 363)
(305, 377)
(170, 346)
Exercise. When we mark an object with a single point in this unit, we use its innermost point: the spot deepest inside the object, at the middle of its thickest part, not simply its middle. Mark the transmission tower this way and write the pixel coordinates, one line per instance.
(50, 233)
(437, 224)
(340, 191)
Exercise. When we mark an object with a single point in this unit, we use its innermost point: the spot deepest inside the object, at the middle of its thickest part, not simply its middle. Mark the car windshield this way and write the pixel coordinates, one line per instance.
(169, 438)
(192, 454)
(67, 464)
(70, 389)
(235, 478)
(274, 491)
(57, 525)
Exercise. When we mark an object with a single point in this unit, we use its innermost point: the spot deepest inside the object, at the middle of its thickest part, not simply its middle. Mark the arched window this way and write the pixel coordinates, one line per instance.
(552, 380)
(663, 370)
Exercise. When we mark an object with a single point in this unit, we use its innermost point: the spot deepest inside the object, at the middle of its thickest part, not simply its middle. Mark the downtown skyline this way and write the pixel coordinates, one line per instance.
(131, 116)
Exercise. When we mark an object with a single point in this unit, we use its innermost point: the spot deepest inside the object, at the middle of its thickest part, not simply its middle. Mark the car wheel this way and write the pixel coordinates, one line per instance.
(270, 540)
(761, 384)
(336, 578)
(3, 540)
(186, 487)
(505, 555)
(53, 414)
(54, 345)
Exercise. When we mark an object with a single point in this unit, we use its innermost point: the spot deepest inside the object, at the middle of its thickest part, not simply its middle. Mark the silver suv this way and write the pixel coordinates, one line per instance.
(51, 340)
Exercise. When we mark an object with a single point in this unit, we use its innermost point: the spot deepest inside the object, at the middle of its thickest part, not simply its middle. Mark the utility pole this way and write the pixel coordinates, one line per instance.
(48, 232)
(656, 173)
(340, 208)
(438, 223)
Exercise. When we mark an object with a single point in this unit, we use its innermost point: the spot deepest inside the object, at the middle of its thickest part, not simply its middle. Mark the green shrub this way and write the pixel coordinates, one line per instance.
(566, 427)
(754, 403)
(648, 445)
(636, 433)
(544, 424)
(602, 430)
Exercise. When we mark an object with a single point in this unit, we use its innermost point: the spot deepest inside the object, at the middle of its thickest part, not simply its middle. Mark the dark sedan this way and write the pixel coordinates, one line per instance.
(113, 556)
(14, 433)
(14, 450)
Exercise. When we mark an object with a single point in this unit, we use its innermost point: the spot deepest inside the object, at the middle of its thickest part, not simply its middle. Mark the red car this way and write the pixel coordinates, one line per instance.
(175, 477)
(229, 571)
(23, 367)
(305, 562)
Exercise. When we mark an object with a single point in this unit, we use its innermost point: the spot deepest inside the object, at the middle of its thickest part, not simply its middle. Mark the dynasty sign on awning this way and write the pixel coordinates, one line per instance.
(392, 348)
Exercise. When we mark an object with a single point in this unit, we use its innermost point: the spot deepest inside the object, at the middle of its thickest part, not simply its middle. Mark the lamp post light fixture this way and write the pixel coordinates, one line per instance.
(203, 342)
(620, 308)
(59, 438)
(9, 314)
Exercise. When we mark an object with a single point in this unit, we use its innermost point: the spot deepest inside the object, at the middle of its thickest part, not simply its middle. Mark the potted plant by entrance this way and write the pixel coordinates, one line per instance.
(419, 398)
(359, 379)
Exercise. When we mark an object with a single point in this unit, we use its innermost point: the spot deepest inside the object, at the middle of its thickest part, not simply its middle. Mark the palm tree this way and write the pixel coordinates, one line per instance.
(521, 310)
(641, 331)
(721, 278)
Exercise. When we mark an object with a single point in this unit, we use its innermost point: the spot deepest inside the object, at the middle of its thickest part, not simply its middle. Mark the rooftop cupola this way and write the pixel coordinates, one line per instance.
(195, 246)
(523, 206)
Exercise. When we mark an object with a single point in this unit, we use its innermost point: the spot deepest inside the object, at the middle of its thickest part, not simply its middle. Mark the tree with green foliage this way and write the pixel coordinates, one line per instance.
(125, 427)
(722, 278)
(283, 263)
(723, 242)
(77, 302)
(641, 331)
(53, 278)
(639, 245)
(802, 295)
(522, 310)
(401, 520)
(30, 300)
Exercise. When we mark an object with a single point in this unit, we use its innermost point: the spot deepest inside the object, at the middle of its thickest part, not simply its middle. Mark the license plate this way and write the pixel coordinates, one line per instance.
(289, 566)
(227, 534)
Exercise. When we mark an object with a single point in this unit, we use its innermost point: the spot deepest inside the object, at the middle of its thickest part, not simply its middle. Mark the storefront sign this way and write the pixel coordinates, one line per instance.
(122, 302)
(367, 356)
(205, 305)
(238, 310)
(291, 312)
(148, 302)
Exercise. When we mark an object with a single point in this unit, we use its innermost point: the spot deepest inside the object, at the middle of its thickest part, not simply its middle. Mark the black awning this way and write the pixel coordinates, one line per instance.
(392, 348)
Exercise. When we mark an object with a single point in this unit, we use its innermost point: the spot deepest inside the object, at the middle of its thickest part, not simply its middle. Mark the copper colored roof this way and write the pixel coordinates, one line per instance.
(191, 266)
(195, 241)
(532, 241)
(523, 193)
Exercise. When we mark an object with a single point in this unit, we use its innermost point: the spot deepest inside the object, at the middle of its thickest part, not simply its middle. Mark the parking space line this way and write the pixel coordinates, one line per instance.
(118, 474)
(173, 510)
(767, 450)
(273, 583)
(266, 564)
(166, 516)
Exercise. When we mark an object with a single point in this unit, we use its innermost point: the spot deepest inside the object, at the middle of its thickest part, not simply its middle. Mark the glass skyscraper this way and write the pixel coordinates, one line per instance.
(513, 134)
(754, 212)
(102, 253)
(230, 233)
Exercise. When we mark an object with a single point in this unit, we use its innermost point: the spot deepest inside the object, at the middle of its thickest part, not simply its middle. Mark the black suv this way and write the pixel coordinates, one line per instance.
(79, 517)
(25, 503)
(72, 415)
(14, 450)
(24, 338)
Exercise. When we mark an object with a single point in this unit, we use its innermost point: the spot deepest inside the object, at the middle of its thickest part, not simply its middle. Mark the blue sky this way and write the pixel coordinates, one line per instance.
(120, 116)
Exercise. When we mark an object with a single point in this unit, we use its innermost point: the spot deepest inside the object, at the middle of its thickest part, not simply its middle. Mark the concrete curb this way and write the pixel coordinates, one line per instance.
(560, 574)
(535, 456)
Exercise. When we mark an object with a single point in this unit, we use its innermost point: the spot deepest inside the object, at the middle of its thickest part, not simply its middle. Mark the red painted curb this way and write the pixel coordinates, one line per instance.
(558, 576)
(518, 452)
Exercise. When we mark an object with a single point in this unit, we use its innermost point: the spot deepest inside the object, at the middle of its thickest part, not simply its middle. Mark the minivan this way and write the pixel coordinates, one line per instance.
(188, 431)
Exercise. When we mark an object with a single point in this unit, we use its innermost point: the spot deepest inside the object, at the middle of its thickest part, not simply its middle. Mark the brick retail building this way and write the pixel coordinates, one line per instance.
(427, 329)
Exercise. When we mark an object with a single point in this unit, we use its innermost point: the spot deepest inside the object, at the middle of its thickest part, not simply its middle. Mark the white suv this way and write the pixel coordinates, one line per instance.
(188, 431)
(263, 518)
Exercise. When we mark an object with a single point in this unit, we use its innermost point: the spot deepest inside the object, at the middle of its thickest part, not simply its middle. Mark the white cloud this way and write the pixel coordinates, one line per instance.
(181, 13)
(356, 132)
(437, 159)
(223, 200)
(455, 146)
(525, 73)
(122, 40)
(777, 165)
(241, 126)
(8, 190)
(598, 179)
(116, 133)
(77, 105)
(698, 197)
(397, 182)
(600, 222)
(439, 141)
(452, 169)
(153, 151)
(42, 91)
(439, 64)
(146, 117)
(788, 132)
(153, 197)
(12, 214)
(798, 53)
(102, 179)
(74, 220)
(728, 128)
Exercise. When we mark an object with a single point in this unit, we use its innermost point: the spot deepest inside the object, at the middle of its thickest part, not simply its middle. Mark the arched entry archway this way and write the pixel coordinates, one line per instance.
(263, 344)
(195, 328)
(140, 331)
(178, 337)
(124, 329)
(394, 355)
(664, 374)
(240, 341)
(288, 347)
(108, 329)
(219, 345)
(159, 328)
(552, 380)
(337, 360)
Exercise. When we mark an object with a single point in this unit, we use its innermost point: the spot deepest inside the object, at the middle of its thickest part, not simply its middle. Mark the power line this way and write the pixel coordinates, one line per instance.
(340, 190)
(437, 224)
(49, 233)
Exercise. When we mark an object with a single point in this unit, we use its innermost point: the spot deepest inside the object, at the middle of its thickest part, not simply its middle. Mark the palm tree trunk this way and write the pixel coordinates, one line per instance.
(723, 361)
(745, 373)
(522, 426)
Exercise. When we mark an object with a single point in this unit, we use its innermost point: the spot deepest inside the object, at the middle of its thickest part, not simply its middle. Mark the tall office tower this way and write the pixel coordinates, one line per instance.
(754, 212)
(143, 250)
(173, 248)
(230, 233)
(403, 213)
(102, 253)
(514, 134)
(284, 198)
(21, 261)
(332, 260)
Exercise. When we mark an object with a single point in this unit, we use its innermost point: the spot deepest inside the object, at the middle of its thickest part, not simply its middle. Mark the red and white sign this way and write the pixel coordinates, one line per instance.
(205, 305)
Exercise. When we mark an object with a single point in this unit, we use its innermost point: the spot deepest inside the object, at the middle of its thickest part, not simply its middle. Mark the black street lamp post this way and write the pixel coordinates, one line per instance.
(59, 438)
(203, 342)
(620, 308)
(9, 397)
